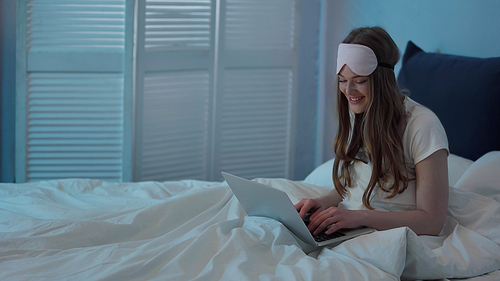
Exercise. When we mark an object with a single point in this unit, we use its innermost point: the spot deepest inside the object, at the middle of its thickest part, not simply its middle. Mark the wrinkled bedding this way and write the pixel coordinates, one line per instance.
(80, 229)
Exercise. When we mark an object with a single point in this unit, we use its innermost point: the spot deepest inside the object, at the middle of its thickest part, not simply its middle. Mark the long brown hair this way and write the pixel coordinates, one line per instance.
(378, 130)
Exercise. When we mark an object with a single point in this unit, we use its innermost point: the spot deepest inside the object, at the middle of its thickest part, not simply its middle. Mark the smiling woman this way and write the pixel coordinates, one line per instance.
(391, 152)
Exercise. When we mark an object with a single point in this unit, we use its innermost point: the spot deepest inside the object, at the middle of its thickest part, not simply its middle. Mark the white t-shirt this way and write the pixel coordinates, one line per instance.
(424, 134)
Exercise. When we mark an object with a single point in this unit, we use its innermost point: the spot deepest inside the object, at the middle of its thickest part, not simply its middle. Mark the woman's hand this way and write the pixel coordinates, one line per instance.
(306, 206)
(335, 217)
(317, 205)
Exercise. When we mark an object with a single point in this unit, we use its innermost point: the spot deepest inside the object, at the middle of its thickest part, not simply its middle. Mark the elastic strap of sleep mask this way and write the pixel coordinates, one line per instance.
(360, 59)
(383, 64)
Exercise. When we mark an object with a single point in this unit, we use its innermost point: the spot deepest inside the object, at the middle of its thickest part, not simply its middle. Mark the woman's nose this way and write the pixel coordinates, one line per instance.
(350, 87)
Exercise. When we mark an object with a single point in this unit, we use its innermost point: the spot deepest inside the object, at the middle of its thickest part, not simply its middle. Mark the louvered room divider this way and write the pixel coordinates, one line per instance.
(73, 90)
(124, 90)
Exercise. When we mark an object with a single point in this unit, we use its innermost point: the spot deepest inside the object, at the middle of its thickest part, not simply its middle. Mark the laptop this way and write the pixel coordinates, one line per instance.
(262, 200)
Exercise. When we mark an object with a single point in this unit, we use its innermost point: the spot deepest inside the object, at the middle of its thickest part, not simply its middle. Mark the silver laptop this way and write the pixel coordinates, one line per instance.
(266, 201)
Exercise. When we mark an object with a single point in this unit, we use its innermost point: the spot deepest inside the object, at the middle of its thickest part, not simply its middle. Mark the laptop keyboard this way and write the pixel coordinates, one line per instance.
(324, 237)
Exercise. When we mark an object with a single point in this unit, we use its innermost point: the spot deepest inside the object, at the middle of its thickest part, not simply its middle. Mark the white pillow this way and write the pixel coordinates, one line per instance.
(322, 175)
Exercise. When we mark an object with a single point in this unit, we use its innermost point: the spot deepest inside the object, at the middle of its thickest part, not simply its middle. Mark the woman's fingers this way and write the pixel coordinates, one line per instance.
(324, 225)
(318, 213)
(306, 206)
(320, 218)
(316, 221)
(299, 205)
(333, 228)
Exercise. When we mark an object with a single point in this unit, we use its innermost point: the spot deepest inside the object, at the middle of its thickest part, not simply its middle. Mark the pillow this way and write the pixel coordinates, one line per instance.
(464, 92)
(322, 175)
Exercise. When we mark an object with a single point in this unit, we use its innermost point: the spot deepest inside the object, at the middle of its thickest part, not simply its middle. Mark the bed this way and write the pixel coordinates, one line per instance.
(84, 229)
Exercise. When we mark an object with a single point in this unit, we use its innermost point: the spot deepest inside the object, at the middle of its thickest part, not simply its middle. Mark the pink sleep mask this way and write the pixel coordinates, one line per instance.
(360, 59)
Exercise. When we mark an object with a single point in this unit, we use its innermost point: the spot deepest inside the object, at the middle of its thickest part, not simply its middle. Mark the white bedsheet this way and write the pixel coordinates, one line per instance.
(191, 230)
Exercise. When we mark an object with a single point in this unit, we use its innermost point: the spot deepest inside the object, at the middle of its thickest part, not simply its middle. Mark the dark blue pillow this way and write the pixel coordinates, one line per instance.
(464, 92)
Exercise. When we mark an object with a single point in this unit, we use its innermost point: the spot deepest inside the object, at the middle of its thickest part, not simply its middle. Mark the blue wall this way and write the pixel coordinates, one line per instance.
(459, 27)
(7, 88)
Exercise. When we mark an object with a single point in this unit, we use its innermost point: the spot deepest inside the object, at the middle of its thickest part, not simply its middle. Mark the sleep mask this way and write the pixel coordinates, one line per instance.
(360, 59)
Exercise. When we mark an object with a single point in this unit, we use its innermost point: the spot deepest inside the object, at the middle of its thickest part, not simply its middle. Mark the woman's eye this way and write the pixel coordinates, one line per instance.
(342, 81)
(361, 81)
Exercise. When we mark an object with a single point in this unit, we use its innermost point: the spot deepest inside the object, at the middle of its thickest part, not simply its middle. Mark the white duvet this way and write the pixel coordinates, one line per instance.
(191, 230)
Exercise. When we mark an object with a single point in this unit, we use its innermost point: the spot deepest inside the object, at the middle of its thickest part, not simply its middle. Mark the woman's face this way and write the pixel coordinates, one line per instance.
(356, 89)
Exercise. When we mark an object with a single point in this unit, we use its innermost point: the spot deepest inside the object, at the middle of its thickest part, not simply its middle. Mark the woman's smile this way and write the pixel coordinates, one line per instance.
(355, 100)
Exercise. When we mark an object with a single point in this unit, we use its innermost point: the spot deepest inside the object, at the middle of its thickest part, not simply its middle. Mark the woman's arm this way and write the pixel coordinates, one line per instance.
(427, 219)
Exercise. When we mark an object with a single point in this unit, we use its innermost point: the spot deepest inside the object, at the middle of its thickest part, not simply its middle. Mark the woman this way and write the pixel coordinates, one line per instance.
(391, 153)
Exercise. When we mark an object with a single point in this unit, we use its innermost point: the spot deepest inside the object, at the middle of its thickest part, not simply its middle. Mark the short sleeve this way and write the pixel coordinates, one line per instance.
(424, 135)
